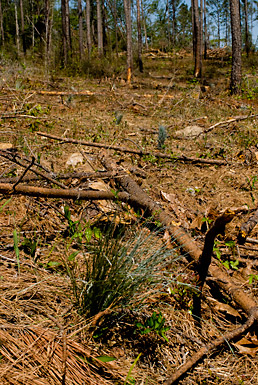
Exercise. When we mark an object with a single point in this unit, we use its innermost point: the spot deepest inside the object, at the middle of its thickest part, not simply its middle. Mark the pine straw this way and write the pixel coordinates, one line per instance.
(35, 314)
(36, 355)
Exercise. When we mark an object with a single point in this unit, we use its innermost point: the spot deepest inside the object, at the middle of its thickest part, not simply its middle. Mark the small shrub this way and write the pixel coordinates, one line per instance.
(117, 269)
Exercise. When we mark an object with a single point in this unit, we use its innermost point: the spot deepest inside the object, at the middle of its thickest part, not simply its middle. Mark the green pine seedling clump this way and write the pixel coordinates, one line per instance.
(162, 137)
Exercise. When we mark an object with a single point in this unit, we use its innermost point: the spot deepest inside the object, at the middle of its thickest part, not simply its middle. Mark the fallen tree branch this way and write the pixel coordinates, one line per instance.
(231, 120)
(204, 261)
(208, 349)
(247, 227)
(13, 158)
(137, 152)
(139, 198)
(6, 188)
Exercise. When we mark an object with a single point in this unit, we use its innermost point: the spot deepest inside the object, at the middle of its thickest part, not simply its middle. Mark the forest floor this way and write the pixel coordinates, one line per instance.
(44, 339)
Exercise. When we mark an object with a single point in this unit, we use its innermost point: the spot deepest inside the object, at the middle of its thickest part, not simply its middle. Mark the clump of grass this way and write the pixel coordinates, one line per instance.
(119, 269)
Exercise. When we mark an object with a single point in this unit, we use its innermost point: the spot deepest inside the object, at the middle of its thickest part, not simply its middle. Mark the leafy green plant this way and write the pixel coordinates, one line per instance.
(155, 323)
(74, 227)
(252, 277)
(116, 268)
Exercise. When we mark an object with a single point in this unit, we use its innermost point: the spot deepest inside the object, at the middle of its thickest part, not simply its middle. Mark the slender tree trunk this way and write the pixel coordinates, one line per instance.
(67, 45)
(196, 39)
(236, 47)
(205, 29)
(89, 43)
(48, 28)
(129, 44)
(99, 28)
(1, 24)
(247, 37)
(80, 28)
(173, 23)
(144, 28)
(139, 29)
(17, 31)
(218, 29)
(115, 23)
(22, 28)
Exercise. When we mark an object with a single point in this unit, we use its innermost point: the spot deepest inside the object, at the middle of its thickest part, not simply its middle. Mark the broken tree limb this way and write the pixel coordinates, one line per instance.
(14, 158)
(204, 261)
(6, 188)
(139, 198)
(231, 120)
(161, 155)
(247, 227)
(208, 349)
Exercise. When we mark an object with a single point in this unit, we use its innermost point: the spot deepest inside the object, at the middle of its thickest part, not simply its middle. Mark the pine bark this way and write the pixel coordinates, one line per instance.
(139, 30)
(99, 28)
(66, 30)
(22, 27)
(236, 47)
(247, 37)
(129, 44)
(80, 28)
(89, 42)
(197, 39)
(1, 24)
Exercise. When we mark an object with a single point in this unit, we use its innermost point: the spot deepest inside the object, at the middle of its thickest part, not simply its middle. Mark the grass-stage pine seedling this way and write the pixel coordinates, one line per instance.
(118, 269)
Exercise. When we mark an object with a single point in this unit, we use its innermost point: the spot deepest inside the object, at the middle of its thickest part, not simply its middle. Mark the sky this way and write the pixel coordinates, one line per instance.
(255, 27)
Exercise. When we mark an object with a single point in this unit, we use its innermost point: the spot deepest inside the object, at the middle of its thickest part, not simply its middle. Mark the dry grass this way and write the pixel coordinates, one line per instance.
(43, 338)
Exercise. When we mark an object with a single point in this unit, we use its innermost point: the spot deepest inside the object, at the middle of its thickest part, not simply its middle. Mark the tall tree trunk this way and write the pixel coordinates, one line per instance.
(139, 29)
(129, 43)
(48, 29)
(197, 39)
(17, 31)
(173, 23)
(236, 47)
(99, 28)
(205, 29)
(22, 28)
(88, 25)
(247, 37)
(115, 25)
(66, 30)
(80, 28)
(1, 24)
(144, 28)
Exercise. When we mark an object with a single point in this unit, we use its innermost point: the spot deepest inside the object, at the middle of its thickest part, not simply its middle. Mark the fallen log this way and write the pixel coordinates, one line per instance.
(139, 198)
(161, 155)
(247, 227)
(7, 188)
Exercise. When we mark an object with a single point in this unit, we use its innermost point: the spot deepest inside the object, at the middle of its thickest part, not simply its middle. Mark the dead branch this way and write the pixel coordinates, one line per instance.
(247, 227)
(174, 158)
(14, 158)
(231, 120)
(6, 188)
(75, 175)
(204, 261)
(208, 349)
(138, 198)
(24, 173)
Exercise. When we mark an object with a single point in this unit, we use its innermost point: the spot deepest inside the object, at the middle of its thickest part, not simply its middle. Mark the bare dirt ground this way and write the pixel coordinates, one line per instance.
(43, 339)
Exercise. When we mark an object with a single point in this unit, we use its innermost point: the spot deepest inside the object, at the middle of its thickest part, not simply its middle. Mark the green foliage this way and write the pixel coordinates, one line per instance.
(162, 137)
(252, 278)
(128, 377)
(155, 323)
(115, 267)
